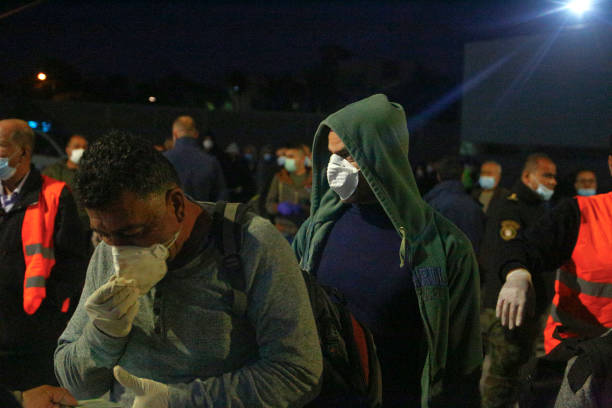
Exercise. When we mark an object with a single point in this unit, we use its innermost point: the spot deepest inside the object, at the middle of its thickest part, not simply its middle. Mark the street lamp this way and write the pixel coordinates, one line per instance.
(579, 7)
(41, 76)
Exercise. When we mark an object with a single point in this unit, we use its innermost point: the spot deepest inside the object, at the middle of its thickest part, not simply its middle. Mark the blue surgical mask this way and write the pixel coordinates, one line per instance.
(6, 171)
(487, 182)
(248, 156)
(280, 161)
(544, 192)
(267, 156)
(586, 192)
(290, 165)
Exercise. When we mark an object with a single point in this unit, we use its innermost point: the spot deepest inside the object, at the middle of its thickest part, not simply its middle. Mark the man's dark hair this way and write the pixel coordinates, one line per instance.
(450, 168)
(531, 164)
(121, 162)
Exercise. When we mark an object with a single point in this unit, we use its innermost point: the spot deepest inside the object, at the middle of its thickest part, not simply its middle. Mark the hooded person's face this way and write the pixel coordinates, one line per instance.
(363, 194)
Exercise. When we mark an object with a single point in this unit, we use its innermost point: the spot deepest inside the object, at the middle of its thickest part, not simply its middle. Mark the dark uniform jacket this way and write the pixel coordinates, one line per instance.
(518, 211)
(499, 195)
(24, 337)
(547, 244)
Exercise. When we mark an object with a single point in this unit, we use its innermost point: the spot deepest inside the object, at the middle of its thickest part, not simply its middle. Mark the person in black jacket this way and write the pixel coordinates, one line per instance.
(27, 341)
(509, 351)
(452, 201)
(574, 236)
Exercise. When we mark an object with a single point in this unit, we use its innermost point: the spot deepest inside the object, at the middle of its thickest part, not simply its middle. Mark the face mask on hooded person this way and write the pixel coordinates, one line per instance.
(145, 265)
(342, 176)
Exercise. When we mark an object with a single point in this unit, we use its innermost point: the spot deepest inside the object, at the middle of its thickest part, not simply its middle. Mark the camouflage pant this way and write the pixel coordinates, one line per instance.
(508, 351)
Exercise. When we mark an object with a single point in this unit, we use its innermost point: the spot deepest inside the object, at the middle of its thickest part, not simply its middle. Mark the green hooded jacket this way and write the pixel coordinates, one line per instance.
(445, 270)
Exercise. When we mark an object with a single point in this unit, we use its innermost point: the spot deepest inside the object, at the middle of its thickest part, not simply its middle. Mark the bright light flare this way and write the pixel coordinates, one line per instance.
(41, 76)
(579, 7)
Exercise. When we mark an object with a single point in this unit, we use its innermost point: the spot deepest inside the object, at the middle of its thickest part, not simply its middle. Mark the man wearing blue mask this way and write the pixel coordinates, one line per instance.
(44, 257)
(288, 198)
(65, 170)
(508, 350)
(585, 183)
(156, 323)
(489, 192)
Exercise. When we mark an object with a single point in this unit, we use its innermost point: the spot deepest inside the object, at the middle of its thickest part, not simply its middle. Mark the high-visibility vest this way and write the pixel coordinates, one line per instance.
(582, 305)
(37, 240)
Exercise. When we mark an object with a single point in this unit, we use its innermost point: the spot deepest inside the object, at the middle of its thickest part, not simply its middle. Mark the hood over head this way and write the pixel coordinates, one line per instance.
(375, 134)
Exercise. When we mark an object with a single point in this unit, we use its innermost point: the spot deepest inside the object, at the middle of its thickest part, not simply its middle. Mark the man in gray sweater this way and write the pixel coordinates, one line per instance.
(154, 325)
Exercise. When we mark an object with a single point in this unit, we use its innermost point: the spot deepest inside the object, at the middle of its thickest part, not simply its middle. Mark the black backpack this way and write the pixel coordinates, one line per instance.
(351, 370)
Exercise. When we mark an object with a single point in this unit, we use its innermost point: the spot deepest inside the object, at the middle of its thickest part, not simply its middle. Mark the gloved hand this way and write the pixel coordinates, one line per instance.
(145, 265)
(149, 393)
(516, 298)
(113, 306)
(288, 208)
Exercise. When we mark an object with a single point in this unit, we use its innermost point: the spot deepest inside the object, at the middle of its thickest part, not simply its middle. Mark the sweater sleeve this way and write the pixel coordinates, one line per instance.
(85, 356)
(464, 356)
(547, 244)
(289, 363)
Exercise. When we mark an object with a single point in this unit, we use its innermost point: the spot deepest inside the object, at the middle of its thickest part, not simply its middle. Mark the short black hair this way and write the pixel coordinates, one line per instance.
(450, 168)
(121, 162)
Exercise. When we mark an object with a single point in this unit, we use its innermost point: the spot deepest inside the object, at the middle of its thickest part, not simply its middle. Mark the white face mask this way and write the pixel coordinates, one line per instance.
(146, 265)
(76, 155)
(208, 144)
(486, 182)
(342, 176)
(544, 192)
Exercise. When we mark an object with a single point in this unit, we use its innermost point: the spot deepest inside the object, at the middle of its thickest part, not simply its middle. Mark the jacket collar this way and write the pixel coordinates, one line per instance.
(31, 190)
(525, 194)
(186, 142)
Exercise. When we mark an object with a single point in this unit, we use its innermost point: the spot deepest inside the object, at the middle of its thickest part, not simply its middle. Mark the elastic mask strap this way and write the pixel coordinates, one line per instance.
(168, 244)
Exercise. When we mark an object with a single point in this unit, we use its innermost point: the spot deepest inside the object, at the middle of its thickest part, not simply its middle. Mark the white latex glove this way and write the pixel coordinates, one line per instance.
(516, 298)
(149, 393)
(113, 306)
(145, 265)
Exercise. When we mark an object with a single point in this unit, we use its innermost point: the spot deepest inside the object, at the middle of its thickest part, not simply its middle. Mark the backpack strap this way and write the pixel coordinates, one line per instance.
(227, 227)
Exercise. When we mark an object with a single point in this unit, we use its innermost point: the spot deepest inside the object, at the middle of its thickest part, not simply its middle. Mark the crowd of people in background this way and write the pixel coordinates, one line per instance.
(439, 260)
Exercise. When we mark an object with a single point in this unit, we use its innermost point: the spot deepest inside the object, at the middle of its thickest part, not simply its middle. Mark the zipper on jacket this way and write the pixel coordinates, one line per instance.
(402, 249)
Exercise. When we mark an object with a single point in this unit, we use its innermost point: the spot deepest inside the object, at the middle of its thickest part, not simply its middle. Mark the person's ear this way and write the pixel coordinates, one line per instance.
(610, 163)
(176, 199)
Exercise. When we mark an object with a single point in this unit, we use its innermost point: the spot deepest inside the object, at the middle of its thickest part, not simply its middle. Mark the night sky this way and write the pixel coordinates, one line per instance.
(203, 40)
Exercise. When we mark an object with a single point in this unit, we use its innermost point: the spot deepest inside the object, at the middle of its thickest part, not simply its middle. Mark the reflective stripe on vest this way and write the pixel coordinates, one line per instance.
(37, 240)
(582, 305)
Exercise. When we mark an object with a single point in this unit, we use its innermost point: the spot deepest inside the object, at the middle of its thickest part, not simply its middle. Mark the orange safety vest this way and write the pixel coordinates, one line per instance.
(582, 306)
(37, 240)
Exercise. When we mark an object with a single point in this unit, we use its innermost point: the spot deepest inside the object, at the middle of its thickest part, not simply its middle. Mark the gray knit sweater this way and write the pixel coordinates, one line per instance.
(207, 356)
